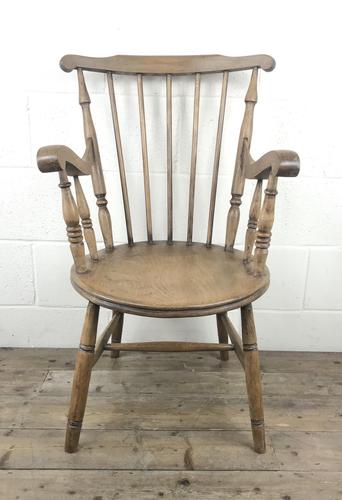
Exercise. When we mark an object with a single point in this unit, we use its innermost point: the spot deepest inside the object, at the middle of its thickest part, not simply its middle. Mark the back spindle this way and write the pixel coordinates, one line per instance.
(84, 212)
(254, 213)
(217, 157)
(241, 156)
(169, 158)
(97, 173)
(121, 163)
(193, 158)
(145, 158)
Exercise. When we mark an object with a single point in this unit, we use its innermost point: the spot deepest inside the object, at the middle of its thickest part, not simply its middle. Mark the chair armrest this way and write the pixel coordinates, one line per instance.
(58, 158)
(281, 163)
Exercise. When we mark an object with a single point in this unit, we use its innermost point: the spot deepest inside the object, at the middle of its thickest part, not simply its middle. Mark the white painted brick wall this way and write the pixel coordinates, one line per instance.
(299, 108)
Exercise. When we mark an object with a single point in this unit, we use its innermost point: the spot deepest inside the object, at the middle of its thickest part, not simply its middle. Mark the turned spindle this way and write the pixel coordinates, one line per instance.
(263, 236)
(71, 218)
(97, 173)
(241, 156)
(87, 224)
(254, 213)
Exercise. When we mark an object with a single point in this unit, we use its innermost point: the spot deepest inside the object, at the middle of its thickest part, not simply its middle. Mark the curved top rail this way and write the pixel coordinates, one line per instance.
(161, 65)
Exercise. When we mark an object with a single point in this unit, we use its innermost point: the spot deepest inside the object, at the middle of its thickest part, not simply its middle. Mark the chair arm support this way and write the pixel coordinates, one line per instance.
(63, 160)
(270, 166)
(280, 163)
(58, 158)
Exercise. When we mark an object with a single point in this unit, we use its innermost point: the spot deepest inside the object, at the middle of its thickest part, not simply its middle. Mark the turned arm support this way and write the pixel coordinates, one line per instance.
(63, 160)
(59, 158)
(270, 166)
(281, 163)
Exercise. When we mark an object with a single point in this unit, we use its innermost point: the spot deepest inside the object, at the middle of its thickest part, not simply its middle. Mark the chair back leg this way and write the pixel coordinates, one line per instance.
(117, 334)
(222, 335)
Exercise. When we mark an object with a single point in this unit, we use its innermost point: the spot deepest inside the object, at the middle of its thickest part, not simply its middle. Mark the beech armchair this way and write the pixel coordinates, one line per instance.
(168, 278)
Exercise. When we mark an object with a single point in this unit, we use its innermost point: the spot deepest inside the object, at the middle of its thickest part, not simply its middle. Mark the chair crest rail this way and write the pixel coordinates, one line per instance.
(163, 65)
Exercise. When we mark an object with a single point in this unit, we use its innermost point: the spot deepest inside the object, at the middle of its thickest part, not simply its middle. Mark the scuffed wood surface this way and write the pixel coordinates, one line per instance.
(171, 450)
(147, 485)
(194, 444)
(271, 361)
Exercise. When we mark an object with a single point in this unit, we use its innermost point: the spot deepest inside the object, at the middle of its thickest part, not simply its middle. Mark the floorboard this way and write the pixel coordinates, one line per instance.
(147, 485)
(170, 426)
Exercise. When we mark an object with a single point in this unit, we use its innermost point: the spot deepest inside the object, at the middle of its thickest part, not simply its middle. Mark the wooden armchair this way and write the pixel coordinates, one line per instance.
(168, 278)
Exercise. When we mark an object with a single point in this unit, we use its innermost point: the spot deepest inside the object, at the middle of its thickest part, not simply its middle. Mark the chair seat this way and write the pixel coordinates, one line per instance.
(165, 280)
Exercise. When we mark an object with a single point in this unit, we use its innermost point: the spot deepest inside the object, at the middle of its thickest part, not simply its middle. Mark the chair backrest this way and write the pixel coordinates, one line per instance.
(169, 67)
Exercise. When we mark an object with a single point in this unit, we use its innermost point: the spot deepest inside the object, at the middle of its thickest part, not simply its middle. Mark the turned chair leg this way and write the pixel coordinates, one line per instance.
(79, 392)
(117, 334)
(222, 336)
(253, 378)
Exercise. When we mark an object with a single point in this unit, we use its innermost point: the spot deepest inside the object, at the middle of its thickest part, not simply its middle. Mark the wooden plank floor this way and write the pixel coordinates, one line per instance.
(170, 426)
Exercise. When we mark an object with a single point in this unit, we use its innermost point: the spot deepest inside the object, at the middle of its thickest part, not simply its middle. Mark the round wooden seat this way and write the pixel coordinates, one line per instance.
(175, 280)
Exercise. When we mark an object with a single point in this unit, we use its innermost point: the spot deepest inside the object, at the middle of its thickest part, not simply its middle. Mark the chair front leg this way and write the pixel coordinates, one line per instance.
(253, 378)
(79, 393)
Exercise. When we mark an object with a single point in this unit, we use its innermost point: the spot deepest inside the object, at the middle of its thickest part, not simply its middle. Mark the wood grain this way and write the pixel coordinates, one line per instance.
(253, 220)
(157, 380)
(242, 153)
(136, 450)
(84, 212)
(222, 335)
(97, 176)
(117, 333)
(144, 152)
(39, 360)
(265, 223)
(234, 337)
(140, 485)
(169, 158)
(193, 164)
(253, 378)
(169, 346)
(169, 279)
(162, 65)
(72, 221)
(117, 135)
(216, 165)
(181, 410)
(160, 440)
(109, 331)
(79, 391)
